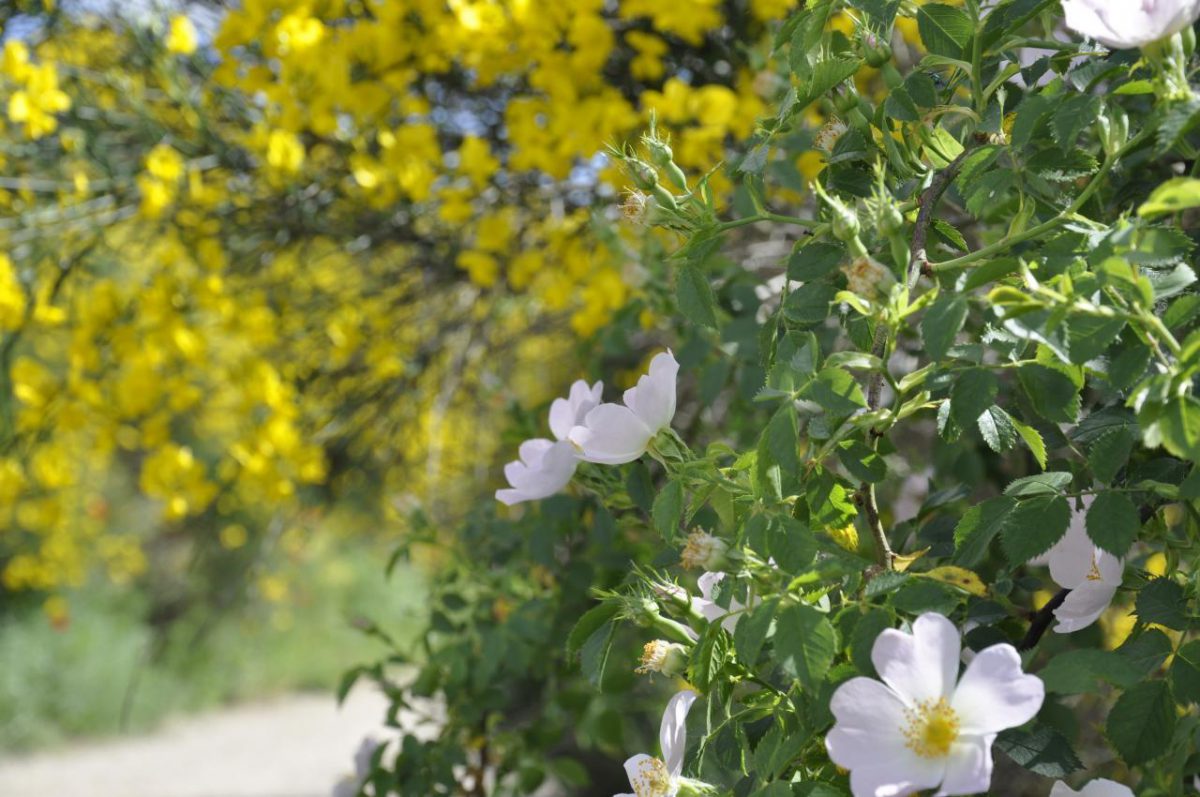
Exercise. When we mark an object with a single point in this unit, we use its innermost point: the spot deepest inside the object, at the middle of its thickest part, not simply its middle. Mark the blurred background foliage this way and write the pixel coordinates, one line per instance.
(275, 277)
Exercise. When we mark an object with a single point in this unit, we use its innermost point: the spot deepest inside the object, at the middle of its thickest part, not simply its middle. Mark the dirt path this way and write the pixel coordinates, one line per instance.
(296, 746)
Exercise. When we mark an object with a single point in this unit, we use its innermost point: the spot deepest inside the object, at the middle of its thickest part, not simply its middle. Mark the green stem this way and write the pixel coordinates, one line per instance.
(776, 217)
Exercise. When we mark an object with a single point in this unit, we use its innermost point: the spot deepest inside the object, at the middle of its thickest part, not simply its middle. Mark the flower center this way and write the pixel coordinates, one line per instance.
(652, 779)
(1094, 573)
(932, 728)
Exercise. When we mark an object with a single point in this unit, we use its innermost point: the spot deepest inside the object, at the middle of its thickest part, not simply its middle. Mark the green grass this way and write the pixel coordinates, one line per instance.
(81, 681)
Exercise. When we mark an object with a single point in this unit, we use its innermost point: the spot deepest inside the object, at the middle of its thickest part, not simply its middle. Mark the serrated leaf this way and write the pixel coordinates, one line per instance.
(1113, 523)
(1033, 527)
(814, 261)
(997, 429)
(593, 655)
(827, 74)
(1109, 452)
(805, 644)
(808, 305)
(989, 191)
(1074, 672)
(1033, 441)
(1176, 194)
(972, 393)
(862, 461)
(1179, 426)
(1041, 750)
(942, 321)
(1051, 483)
(1185, 673)
(586, 625)
(1162, 601)
(1071, 116)
(1051, 392)
(1142, 722)
(751, 631)
(667, 510)
(945, 30)
(695, 296)
(1030, 115)
(978, 526)
(836, 391)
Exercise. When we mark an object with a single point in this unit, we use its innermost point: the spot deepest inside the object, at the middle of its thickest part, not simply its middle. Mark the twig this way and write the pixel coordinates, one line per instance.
(916, 263)
(1042, 619)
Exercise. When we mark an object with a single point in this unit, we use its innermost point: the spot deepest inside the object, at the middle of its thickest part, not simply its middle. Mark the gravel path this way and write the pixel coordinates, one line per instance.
(296, 746)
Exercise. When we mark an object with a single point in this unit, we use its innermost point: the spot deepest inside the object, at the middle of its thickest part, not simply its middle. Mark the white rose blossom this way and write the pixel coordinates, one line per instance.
(1122, 24)
(1093, 575)
(923, 727)
(613, 434)
(662, 777)
(544, 467)
(1096, 788)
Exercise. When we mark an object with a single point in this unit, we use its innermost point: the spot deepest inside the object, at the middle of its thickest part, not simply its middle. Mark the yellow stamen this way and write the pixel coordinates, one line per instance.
(932, 728)
(652, 779)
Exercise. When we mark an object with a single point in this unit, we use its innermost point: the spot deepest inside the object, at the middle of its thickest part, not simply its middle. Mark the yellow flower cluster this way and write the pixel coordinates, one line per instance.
(321, 260)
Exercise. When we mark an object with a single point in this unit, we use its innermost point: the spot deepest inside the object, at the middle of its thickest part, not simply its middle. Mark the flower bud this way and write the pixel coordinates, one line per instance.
(845, 99)
(666, 658)
(660, 151)
(1187, 38)
(846, 537)
(643, 174)
(875, 50)
(704, 551)
(843, 221)
(889, 218)
(642, 610)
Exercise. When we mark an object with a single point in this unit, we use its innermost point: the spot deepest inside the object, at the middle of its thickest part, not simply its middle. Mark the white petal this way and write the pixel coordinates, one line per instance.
(1083, 606)
(922, 665)
(1100, 787)
(994, 694)
(868, 739)
(1129, 23)
(707, 582)
(569, 412)
(611, 435)
(543, 469)
(653, 399)
(1111, 568)
(636, 768)
(672, 734)
(968, 767)
(1071, 557)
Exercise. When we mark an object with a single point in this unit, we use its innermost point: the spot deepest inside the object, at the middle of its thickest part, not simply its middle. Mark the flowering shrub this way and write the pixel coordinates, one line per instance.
(909, 508)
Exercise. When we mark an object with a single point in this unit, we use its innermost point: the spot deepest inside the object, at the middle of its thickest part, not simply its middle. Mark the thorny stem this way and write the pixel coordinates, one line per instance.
(883, 549)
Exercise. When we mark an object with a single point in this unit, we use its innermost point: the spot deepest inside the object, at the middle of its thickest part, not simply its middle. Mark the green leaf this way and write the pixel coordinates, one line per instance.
(1071, 116)
(997, 429)
(1033, 527)
(814, 261)
(1074, 672)
(1176, 194)
(593, 660)
(1146, 651)
(862, 638)
(1041, 750)
(792, 544)
(827, 74)
(1089, 336)
(1109, 453)
(1051, 483)
(780, 437)
(804, 644)
(942, 321)
(972, 393)
(836, 391)
(989, 191)
(1162, 601)
(1142, 722)
(1030, 114)
(978, 526)
(945, 30)
(695, 296)
(586, 625)
(1033, 441)
(1185, 673)
(751, 631)
(668, 510)
(862, 461)
(809, 304)
(1113, 522)
(708, 656)
(1179, 426)
(1052, 393)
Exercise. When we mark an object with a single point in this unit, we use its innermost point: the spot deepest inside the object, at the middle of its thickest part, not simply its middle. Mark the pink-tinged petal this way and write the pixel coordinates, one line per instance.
(922, 665)
(1083, 606)
(1071, 557)
(994, 694)
(653, 399)
(672, 734)
(968, 766)
(544, 469)
(1100, 787)
(611, 435)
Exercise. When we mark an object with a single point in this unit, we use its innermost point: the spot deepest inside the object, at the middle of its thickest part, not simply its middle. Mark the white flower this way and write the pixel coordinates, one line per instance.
(923, 727)
(1121, 24)
(613, 434)
(546, 466)
(1096, 788)
(1091, 574)
(655, 777)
